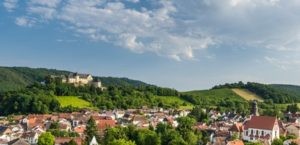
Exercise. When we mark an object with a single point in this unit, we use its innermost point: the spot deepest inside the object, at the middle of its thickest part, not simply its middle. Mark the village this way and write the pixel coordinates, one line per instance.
(26, 129)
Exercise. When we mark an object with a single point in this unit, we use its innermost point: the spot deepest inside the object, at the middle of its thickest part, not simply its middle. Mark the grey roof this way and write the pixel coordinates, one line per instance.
(72, 75)
(18, 141)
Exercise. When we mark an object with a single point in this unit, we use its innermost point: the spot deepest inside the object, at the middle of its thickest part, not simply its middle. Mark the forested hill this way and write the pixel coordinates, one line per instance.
(294, 89)
(275, 93)
(16, 78)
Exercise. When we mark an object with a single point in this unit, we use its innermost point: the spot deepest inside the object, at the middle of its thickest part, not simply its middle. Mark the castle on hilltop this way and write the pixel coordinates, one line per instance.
(81, 80)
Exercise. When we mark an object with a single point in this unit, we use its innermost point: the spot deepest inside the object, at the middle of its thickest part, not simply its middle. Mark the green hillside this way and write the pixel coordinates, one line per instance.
(278, 94)
(16, 78)
(73, 101)
(173, 102)
(294, 89)
(223, 98)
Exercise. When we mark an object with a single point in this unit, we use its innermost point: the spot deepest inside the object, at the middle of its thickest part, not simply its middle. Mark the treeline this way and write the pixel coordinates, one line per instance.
(18, 78)
(267, 92)
(41, 98)
(223, 100)
(31, 100)
(163, 134)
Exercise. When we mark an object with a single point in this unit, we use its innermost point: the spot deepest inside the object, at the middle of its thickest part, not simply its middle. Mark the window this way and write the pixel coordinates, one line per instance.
(247, 133)
(262, 133)
(257, 132)
(251, 131)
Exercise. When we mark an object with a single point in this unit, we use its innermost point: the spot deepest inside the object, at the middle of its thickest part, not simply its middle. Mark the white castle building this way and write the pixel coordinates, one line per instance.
(82, 80)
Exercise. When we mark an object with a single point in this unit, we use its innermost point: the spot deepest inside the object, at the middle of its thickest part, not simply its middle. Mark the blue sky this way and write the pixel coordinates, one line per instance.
(187, 45)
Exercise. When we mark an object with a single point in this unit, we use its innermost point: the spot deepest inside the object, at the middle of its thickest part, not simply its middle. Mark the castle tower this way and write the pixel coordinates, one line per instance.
(254, 110)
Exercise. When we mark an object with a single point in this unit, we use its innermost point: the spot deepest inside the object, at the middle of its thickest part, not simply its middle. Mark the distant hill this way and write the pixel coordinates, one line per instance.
(16, 78)
(294, 89)
(223, 98)
(275, 93)
(212, 96)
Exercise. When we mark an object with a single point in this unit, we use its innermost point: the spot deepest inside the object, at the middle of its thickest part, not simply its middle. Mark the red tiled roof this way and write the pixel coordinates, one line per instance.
(79, 129)
(103, 124)
(238, 127)
(235, 142)
(261, 122)
(63, 140)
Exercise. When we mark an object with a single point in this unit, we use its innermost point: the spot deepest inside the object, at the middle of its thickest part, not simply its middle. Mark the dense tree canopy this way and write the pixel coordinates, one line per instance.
(46, 139)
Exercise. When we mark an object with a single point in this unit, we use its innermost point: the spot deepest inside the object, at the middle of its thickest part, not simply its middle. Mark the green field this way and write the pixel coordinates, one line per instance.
(247, 95)
(215, 94)
(73, 101)
(174, 101)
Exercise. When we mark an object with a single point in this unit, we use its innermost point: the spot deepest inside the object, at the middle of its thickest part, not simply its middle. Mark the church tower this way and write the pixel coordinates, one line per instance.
(254, 110)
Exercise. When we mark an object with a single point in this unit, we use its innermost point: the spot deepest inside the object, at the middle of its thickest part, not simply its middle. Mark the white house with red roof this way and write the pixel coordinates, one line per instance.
(264, 128)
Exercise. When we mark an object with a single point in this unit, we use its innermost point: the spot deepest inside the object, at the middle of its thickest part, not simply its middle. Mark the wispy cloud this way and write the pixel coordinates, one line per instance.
(283, 63)
(176, 29)
(25, 21)
(10, 5)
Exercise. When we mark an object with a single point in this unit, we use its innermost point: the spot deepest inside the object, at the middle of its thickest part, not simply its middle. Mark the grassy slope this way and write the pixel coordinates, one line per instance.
(215, 96)
(173, 100)
(73, 101)
(247, 94)
(215, 93)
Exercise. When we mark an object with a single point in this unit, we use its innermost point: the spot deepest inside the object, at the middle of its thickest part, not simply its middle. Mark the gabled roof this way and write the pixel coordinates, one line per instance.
(64, 140)
(103, 124)
(235, 142)
(18, 141)
(237, 127)
(261, 122)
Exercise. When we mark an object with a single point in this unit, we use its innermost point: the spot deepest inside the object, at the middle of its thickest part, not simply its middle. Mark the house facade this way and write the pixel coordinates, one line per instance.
(261, 128)
(294, 129)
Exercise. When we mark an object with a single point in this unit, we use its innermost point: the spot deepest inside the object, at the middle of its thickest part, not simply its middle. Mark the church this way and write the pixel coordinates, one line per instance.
(260, 128)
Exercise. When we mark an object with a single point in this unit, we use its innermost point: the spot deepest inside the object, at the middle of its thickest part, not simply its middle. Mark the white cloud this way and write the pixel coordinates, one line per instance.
(46, 3)
(44, 12)
(285, 63)
(177, 29)
(10, 5)
(134, 1)
(25, 21)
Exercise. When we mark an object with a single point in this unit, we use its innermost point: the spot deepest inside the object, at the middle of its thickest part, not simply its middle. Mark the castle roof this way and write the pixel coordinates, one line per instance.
(72, 75)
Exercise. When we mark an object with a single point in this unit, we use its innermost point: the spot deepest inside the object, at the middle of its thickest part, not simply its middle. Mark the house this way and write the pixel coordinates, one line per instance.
(4, 130)
(3, 142)
(288, 142)
(31, 137)
(119, 114)
(261, 128)
(64, 125)
(65, 140)
(235, 142)
(105, 123)
(80, 129)
(18, 141)
(218, 141)
(94, 141)
(293, 129)
(237, 129)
